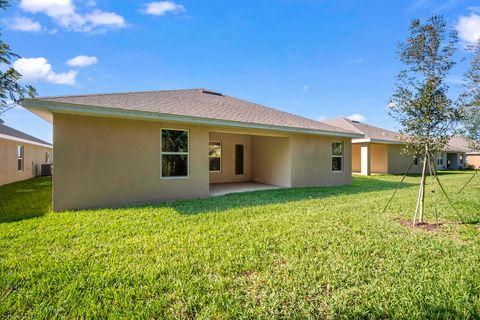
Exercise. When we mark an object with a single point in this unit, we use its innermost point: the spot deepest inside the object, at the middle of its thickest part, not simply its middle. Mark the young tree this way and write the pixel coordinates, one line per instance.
(420, 103)
(470, 99)
(11, 91)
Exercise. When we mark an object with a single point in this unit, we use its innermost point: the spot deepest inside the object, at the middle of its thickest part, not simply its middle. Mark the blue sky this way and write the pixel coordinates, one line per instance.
(318, 59)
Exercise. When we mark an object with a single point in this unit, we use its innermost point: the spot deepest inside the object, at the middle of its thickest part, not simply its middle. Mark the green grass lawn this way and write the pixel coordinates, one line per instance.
(292, 253)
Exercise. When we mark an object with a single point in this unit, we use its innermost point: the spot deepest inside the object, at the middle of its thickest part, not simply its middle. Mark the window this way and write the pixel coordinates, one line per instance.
(461, 159)
(440, 161)
(20, 158)
(415, 162)
(174, 153)
(337, 156)
(215, 156)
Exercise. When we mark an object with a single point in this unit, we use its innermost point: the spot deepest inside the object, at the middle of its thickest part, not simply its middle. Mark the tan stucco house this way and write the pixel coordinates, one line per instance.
(380, 151)
(127, 148)
(21, 155)
(465, 153)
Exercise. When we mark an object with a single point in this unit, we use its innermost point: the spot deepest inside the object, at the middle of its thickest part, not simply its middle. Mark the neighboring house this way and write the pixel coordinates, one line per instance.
(21, 155)
(126, 148)
(380, 151)
(467, 155)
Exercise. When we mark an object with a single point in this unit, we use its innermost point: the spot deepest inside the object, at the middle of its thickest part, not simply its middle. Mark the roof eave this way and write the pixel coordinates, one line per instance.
(381, 141)
(17, 139)
(40, 106)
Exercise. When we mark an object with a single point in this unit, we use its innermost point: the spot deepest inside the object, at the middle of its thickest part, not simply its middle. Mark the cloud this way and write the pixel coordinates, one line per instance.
(357, 117)
(321, 118)
(102, 18)
(65, 14)
(468, 28)
(161, 8)
(82, 61)
(476, 9)
(38, 69)
(24, 24)
(306, 87)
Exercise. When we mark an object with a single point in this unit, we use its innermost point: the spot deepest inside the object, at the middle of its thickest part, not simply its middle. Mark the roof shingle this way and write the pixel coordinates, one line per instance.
(198, 103)
(8, 131)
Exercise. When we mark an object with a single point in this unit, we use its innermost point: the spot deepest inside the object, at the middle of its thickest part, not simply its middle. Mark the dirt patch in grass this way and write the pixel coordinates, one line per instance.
(424, 226)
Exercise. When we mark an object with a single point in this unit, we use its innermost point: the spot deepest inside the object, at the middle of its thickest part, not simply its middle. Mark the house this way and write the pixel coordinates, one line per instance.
(380, 151)
(466, 155)
(21, 155)
(138, 147)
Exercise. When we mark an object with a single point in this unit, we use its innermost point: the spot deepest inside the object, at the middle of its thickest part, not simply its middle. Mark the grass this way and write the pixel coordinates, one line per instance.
(292, 253)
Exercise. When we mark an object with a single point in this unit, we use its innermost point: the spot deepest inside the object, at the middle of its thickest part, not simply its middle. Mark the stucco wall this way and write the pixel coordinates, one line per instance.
(34, 156)
(227, 173)
(474, 159)
(105, 162)
(110, 162)
(379, 158)
(271, 160)
(312, 161)
(356, 158)
(398, 162)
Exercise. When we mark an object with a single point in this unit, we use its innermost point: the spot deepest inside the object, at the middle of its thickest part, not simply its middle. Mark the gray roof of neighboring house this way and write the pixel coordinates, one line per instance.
(195, 103)
(370, 132)
(458, 144)
(8, 131)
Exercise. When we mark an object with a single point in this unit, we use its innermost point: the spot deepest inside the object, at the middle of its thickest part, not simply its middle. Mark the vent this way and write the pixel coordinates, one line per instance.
(212, 93)
(355, 121)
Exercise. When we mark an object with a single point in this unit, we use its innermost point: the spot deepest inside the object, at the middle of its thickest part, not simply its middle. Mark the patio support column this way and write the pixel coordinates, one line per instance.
(366, 159)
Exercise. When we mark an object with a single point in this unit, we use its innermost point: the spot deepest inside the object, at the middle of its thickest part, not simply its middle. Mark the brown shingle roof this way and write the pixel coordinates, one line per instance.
(199, 103)
(370, 132)
(8, 131)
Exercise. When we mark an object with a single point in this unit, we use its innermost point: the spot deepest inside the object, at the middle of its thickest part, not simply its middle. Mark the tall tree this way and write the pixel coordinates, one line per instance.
(470, 99)
(11, 91)
(420, 103)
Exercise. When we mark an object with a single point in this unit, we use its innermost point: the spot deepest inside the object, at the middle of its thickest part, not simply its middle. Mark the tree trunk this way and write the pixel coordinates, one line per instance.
(421, 196)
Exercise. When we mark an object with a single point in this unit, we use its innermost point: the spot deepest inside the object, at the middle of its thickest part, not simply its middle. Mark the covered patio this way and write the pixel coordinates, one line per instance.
(247, 162)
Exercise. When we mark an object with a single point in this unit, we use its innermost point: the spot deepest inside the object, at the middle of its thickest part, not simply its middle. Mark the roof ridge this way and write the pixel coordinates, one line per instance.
(114, 93)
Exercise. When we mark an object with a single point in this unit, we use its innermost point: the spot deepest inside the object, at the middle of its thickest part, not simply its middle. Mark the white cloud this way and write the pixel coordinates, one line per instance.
(357, 117)
(476, 9)
(305, 87)
(64, 13)
(38, 69)
(24, 24)
(161, 8)
(469, 28)
(102, 18)
(82, 61)
(321, 118)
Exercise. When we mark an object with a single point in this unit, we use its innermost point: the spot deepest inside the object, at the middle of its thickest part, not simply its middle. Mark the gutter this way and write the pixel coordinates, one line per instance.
(78, 109)
(370, 140)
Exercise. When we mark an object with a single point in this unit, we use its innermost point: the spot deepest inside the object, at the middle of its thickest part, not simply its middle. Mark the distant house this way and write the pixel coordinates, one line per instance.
(126, 148)
(466, 155)
(21, 155)
(379, 151)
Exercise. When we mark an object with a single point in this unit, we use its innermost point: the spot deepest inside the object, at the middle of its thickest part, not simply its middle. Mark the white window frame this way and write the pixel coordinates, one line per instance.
(175, 153)
(221, 156)
(336, 156)
(21, 158)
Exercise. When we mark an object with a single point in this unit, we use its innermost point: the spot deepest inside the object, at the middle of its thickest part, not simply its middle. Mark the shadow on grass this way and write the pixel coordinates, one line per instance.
(25, 199)
(277, 196)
